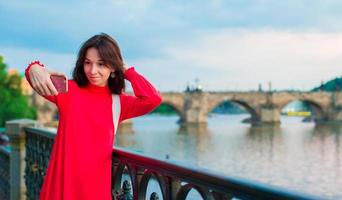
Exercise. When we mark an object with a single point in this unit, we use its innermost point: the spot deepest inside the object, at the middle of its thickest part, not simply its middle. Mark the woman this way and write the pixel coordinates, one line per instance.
(80, 162)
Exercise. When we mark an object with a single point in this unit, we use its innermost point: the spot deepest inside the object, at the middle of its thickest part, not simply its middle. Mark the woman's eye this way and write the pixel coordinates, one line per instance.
(86, 62)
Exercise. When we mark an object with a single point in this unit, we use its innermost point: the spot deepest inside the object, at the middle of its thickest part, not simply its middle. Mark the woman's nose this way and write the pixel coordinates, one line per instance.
(93, 69)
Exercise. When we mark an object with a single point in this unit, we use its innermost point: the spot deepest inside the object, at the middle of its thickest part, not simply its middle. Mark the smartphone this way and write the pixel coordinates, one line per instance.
(60, 83)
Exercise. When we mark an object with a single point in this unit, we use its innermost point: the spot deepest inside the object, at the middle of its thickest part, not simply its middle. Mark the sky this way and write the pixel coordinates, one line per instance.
(228, 45)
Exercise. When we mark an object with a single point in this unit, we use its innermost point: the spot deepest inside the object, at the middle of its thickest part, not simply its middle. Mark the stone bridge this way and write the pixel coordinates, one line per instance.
(264, 107)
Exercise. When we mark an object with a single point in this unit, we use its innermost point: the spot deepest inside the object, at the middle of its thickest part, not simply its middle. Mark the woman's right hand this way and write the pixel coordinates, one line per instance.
(40, 80)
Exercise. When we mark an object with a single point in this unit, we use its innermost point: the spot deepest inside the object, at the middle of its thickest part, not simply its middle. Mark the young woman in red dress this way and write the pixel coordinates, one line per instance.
(80, 163)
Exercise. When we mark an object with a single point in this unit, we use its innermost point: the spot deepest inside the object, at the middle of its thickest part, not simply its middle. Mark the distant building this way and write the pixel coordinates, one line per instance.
(25, 86)
(196, 88)
(260, 87)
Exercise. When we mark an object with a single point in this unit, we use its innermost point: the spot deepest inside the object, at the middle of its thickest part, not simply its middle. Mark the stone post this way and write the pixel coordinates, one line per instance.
(269, 114)
(195, 109)
(15, 131)
(336, 108)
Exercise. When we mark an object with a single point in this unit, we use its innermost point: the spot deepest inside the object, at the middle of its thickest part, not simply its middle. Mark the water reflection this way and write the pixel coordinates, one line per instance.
(263, 139)
(324, 141)
(125, 136)
(293, 154)
(125, 129)
(328, 130)
(194, 138)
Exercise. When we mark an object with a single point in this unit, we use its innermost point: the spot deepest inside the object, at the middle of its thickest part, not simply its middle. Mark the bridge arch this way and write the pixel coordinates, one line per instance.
(252, 111)
(175, 107)
(318, 111)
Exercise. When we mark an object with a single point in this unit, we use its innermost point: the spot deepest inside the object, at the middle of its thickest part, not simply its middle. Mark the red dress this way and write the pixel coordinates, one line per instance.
(81, 158)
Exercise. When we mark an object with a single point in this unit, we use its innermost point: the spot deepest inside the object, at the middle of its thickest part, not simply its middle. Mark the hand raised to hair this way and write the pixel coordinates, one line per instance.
(126, 67)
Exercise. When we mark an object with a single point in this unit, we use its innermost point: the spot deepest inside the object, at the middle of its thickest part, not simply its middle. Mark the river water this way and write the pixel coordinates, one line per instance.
(295, 155)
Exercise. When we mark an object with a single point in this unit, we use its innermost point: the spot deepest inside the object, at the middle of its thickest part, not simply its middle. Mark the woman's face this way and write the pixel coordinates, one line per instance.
(95, 69)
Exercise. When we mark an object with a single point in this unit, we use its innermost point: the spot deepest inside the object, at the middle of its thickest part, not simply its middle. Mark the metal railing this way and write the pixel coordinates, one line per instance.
(175, 179)
(38, 146)
(4, 172)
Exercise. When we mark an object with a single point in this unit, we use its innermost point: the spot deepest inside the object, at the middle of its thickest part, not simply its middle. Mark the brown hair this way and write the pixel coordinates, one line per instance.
(109, 52)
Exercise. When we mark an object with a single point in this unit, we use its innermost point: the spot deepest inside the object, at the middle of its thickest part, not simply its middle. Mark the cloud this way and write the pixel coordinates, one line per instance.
(224, 60)
(229, 48)
(61, 26)
(19, 58)
(241, 59)
(226, 44)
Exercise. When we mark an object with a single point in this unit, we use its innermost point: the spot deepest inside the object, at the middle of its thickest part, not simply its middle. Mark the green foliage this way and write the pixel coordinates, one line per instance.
(13, 104)
(228, 107)
(164, 109)
(332, 85)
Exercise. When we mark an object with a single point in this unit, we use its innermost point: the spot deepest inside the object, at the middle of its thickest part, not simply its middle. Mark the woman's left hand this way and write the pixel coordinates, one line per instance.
(126, 67)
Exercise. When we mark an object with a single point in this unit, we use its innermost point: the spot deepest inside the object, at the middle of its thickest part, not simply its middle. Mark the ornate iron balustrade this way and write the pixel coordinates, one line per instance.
(175, 180)
(4, 173)
(38, 145)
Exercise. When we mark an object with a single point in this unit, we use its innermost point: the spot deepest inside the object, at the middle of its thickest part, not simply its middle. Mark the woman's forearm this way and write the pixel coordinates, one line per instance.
(142, 88)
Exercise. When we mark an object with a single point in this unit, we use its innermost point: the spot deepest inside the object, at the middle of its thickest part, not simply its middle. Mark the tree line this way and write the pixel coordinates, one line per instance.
(13, 103)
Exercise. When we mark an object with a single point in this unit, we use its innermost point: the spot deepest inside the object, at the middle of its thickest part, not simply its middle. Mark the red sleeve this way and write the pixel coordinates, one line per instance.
(145, 99)
(50, 98)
